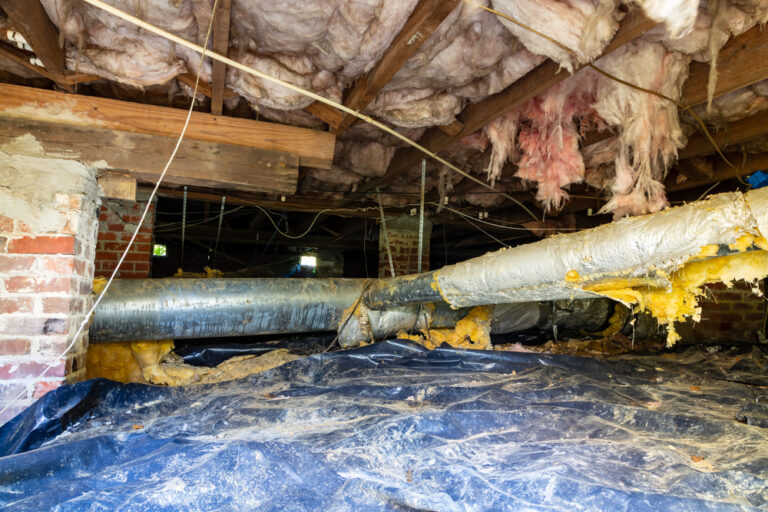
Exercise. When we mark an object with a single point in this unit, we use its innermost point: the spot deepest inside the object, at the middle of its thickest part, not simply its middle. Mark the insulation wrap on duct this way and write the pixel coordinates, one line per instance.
(647, 247)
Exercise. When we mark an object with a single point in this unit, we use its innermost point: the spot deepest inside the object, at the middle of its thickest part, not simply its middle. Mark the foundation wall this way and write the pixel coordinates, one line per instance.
(117, 222)
(48, 225)
(735, 313)
(403, 234)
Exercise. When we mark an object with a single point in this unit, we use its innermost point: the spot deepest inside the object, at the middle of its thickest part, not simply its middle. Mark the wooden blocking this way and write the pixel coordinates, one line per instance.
(315, 148)
(143, 156)
(327, 113)
(117, 185)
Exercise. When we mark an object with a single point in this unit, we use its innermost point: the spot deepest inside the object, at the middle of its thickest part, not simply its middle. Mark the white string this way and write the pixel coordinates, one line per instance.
(135, 233)
(295, 88)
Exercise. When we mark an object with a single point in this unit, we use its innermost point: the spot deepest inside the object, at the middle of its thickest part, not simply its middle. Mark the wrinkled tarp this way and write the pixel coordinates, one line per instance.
(213, 351)
(393, 426)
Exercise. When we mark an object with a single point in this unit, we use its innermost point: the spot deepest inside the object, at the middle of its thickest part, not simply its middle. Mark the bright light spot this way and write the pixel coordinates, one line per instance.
(159, 250)
(308, 261)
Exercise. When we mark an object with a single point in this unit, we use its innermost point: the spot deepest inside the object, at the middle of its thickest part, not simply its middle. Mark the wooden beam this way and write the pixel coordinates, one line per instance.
(220, 46)
(203, 87)
(424, 20)
(143, 156)
(315, 148)
(723, 171)
(734, 133)
(741, 62)
(483, 112)
(22, 58)
(327, 113)
(29, 17)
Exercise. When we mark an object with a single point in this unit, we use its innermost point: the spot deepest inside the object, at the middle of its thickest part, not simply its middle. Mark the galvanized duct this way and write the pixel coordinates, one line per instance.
(156, 309)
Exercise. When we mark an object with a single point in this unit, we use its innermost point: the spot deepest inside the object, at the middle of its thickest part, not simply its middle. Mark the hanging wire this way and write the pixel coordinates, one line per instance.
(421, 213)
(386, 235)
(143, 217)
(183, 225)
(252, 71)
(218, 231)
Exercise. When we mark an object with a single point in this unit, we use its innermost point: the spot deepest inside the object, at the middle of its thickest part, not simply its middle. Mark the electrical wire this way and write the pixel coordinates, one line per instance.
(252, 71)
(466, 218)
(135, 233)
(511, 228)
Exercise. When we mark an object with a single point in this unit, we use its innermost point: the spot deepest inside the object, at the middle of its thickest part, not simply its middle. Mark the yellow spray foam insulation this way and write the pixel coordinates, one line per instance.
(98, 284)
(209, 273)
(680, 299)
(114, 361)
(153, 362)
(473, 332)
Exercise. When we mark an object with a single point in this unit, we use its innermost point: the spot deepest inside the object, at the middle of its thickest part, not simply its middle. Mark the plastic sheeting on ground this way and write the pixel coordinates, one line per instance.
(395, 427)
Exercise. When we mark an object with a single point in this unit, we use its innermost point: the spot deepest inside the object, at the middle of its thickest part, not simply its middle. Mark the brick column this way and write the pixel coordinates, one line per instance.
(48, 222)
(403, 235)
(117, 222)
(735, 313)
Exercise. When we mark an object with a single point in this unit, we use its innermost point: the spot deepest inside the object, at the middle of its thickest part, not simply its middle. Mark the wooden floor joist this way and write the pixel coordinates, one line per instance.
(425, 18)
(741, 62)
(30, 18)
(143, 156)
(220, 45)
(483, 112)
(315, 148)
(734, 133)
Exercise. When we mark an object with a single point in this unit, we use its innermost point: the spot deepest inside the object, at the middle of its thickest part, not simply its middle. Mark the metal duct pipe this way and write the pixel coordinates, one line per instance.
(632, 247)
(156, 309)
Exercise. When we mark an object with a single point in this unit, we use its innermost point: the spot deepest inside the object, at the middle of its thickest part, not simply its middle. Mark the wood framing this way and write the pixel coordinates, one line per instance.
(220, 46)
(143, 156)
(425, 18)
(483, 112)
(315, 148)
(734, 133)
(741, 62)
(29, 18)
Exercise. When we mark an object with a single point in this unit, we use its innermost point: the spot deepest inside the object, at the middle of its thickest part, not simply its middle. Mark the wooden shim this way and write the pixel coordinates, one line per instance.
(198, 163)
(117, 185)
(315, 148)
